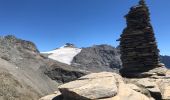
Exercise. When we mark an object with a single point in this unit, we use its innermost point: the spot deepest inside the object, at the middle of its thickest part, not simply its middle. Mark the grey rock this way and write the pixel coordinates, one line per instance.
(90, 87)
(98, 58)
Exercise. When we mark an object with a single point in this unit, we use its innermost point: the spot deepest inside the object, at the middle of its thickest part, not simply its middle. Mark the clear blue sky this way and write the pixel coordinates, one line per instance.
(52, 23)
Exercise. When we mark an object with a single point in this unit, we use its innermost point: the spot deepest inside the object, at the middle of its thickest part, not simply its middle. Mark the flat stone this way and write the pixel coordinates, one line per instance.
(90, 87)
(126, 93)
(52, 96)
(164, 85)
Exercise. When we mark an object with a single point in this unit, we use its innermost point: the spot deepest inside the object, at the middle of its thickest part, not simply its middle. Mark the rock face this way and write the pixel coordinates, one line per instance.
(98, 58)
(138, 46)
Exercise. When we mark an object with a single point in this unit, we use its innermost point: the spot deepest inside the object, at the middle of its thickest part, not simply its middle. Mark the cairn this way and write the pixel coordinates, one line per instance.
(139, 52)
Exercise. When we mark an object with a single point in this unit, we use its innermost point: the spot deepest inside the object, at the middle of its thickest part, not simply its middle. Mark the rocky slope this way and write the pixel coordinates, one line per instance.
(24, 71)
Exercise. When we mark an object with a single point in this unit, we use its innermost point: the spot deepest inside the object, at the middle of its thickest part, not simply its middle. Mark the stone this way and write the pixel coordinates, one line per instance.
(51, 96)
(168, 73)
(164, 85)
(90, 87)
(126, 93)
(134, 87)
(166, 93)
(150, 85)
(130, 95)
(138, 46)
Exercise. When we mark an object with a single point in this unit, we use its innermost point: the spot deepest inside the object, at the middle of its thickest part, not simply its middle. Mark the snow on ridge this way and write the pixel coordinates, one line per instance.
(63, 54)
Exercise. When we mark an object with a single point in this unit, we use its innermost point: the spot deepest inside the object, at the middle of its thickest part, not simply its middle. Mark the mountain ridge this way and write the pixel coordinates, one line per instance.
(88, 54)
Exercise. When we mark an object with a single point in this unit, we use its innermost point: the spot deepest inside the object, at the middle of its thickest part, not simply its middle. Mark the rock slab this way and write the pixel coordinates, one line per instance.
(90, 87)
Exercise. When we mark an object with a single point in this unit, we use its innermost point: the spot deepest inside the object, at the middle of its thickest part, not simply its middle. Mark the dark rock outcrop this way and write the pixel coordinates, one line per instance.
(69, 45)
(139, 52)
(63, 73)
(98, 58)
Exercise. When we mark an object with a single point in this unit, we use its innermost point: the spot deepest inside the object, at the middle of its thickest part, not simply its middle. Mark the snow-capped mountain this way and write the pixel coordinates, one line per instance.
(64, 54)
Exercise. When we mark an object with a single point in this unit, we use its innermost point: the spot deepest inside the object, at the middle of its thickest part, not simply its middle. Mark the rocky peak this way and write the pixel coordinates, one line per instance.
(69, 45)
(12, 41)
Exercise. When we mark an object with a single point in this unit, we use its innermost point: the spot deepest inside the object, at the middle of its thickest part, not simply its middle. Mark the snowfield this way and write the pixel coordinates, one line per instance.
(63, 54)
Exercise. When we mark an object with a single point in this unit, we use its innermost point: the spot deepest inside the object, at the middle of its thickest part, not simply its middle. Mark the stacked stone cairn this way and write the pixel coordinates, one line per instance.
(139, 52)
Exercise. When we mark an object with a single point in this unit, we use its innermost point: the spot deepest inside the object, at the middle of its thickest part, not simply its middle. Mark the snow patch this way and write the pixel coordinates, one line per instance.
(63, 54)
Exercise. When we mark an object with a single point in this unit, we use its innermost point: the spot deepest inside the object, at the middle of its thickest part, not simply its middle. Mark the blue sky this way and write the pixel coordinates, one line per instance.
(52, 23)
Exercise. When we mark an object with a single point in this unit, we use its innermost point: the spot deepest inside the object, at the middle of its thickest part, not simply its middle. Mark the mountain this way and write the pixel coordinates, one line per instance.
(94, 59)
(98, 58)
(25, 74)
(166, 60)
(64, 54)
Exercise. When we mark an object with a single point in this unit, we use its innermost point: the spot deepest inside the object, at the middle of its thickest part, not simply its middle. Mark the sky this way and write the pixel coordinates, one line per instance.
(52, 23)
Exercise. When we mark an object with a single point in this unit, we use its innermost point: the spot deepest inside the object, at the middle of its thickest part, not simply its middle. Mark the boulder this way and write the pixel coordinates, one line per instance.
(150, 85)
(126, 93)
(90, 87)
(158, 84)
(53, 96)
(164, 85)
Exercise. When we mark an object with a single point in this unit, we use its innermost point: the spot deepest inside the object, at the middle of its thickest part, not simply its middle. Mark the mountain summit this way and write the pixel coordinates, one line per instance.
(64, 54)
